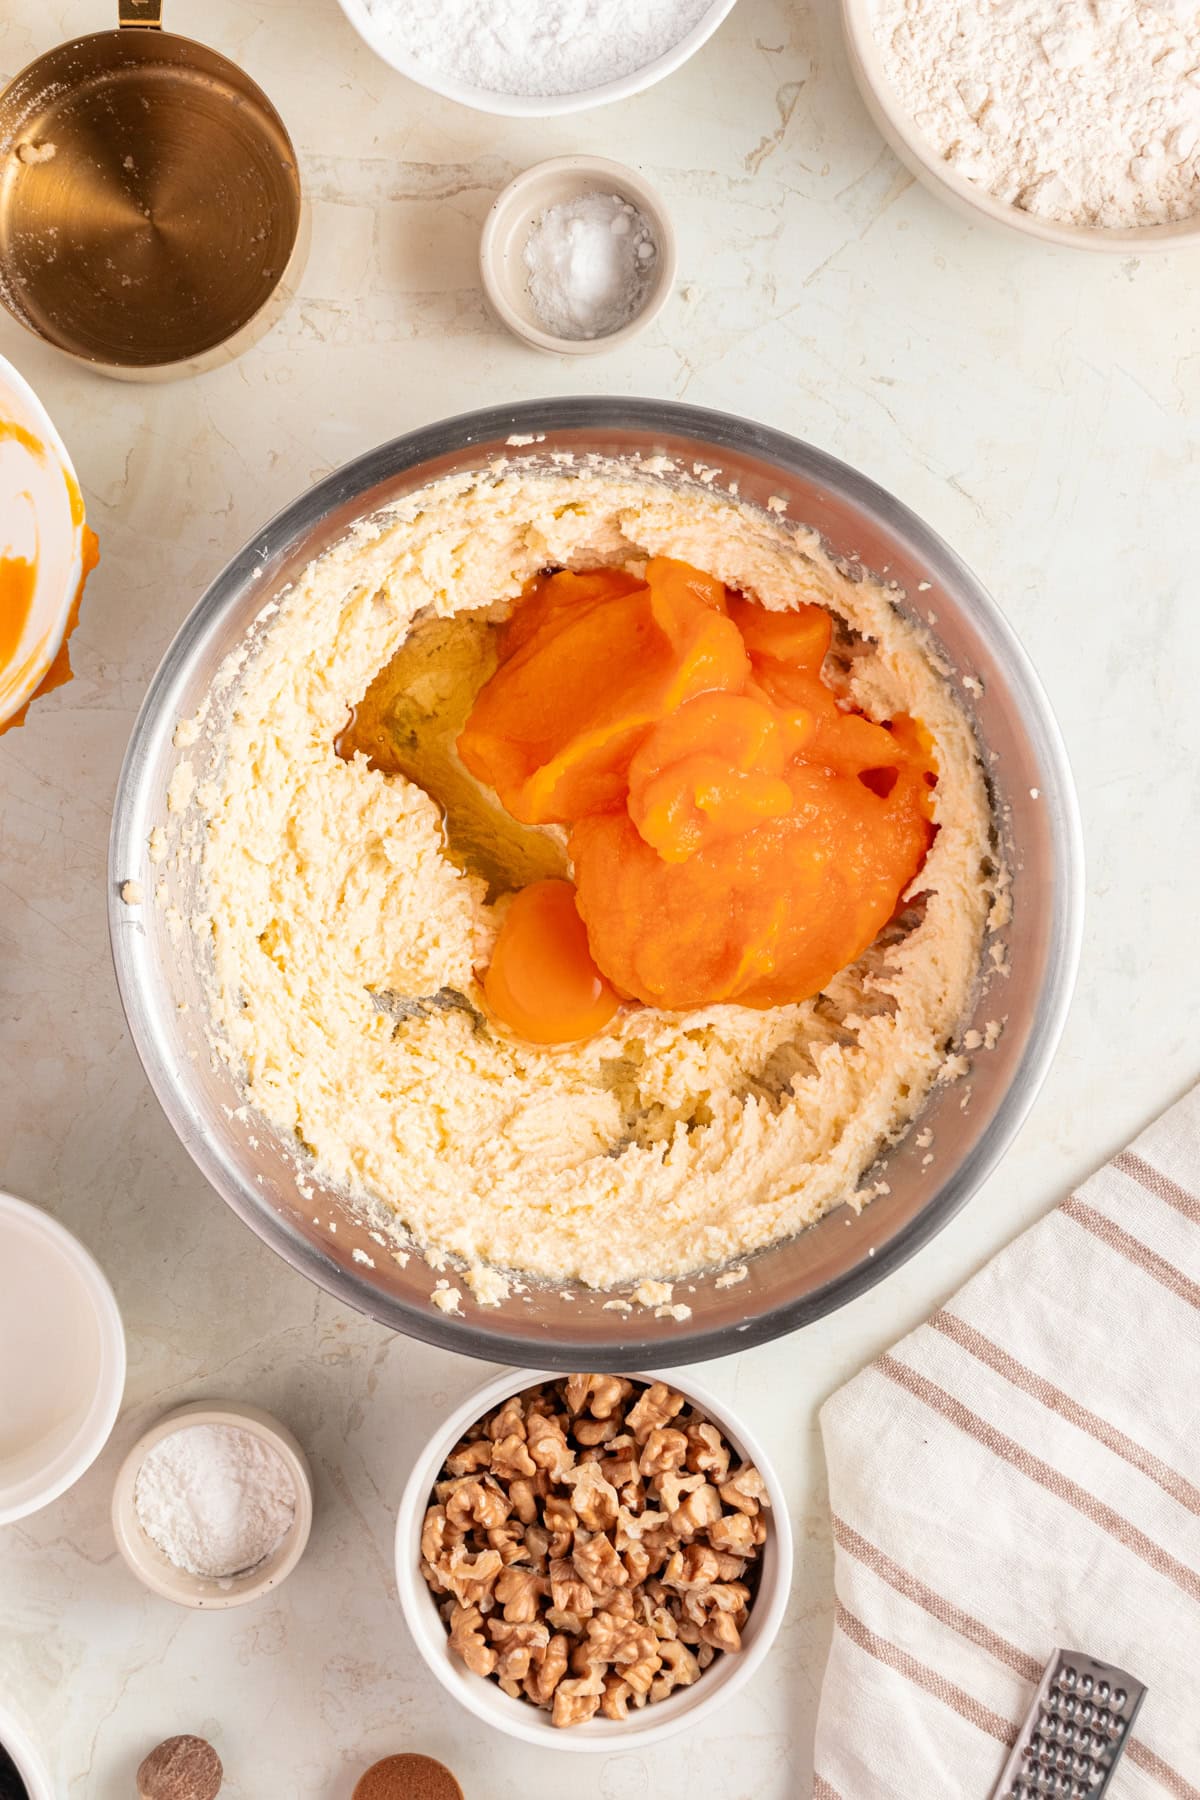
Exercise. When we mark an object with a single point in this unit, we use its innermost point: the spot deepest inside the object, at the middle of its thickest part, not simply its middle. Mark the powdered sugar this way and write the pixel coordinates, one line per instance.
(215, 1499)
(1083, 111)
(539, 48)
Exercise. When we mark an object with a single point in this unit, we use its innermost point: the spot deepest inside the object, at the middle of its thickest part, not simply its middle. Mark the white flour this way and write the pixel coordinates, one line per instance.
(1084, 111)
(535, 47)
(215, 1499)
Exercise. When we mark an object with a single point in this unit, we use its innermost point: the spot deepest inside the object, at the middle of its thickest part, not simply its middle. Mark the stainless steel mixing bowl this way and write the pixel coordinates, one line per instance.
(796, 1281)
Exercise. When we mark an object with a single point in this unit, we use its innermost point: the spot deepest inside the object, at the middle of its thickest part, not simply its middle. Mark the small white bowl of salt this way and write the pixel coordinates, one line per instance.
(577, 255)
(213, 1505)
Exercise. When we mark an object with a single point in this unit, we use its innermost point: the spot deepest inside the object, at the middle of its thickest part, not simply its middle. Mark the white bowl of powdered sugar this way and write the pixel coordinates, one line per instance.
(532, 60)
(1073, 121)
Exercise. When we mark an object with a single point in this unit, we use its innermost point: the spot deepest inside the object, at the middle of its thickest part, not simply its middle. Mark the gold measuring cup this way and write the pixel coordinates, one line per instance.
(151, 219)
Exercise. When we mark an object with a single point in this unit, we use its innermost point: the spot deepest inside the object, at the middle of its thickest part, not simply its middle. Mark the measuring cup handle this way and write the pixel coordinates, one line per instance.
(140, 15)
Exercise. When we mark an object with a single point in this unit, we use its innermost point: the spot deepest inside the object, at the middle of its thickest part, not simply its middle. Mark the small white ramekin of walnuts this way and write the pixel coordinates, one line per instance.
(591, 1561)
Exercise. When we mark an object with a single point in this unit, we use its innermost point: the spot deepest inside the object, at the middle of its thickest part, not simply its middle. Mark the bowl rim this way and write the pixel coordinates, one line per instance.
(719, 431)
(152, 1568)
(21, 1748)
(537, 106)
(507, 1715)
(899, 129)
(95, 1429)
(633, 186)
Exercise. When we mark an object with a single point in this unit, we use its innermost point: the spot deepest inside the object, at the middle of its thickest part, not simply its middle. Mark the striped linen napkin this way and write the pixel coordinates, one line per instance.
(1023, 1473)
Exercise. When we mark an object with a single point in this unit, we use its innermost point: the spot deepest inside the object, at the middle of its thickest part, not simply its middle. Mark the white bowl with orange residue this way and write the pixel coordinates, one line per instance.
(46, 548)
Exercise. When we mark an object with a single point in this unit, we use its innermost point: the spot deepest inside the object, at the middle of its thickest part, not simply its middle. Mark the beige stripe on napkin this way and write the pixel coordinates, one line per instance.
(1020, 1474)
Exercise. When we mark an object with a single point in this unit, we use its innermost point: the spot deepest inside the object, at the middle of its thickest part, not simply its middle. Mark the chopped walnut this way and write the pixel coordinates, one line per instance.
(730, 1568)
(559, 1514)
(519, 1592)
(591, 1432)
(664, 1450)
(510, 1458)
(637, 1563)
(697, 1511)
(542, 1681)
(707, 1451)
(508, 1422)
(598, 1394)
(721, 1631)
(597, 1562)
(477, 1503)
(437, 1538)
(657, 1406)
(733, 1532)
(614, 1703)
(672, 1486)
(679, 1669)
(548, 1446)
(620, 1604)
(470, 1578)
(470, 1457)
(517, 1647)
(589, 1548)
(509, 1541)
(569, 1591)
(694, 1567)
(569, 1622)
(595, 1499)
(466, 1637)
(577, 1698)
(746, 1490)
(525, 1495)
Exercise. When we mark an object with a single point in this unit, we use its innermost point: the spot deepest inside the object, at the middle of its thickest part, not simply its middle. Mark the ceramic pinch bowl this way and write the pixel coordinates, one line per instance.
(153, 1567)
(688, 1708)
(516, 211)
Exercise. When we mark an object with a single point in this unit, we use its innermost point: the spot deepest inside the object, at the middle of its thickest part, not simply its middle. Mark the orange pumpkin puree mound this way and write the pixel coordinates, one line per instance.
(737, 834)
(542, 982)
(555, 727)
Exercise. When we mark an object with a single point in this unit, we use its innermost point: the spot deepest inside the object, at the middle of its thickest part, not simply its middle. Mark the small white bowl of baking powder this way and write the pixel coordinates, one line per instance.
(577, 255)
(213, 1505)
(535, 61)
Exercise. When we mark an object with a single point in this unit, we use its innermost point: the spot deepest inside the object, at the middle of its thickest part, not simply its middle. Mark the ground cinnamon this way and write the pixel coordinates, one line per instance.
(408, 1777)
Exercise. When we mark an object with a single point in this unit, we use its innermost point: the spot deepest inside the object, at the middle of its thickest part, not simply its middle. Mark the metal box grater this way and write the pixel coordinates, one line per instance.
(1074, 1733)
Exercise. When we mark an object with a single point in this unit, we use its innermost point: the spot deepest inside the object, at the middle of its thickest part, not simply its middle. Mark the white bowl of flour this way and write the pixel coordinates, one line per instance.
(1073, 121)
(533, 60)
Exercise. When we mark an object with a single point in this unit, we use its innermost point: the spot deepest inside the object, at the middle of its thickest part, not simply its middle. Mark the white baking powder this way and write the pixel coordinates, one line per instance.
(214, 1498)
(535, 47)
(1083, 111)
(589, 261)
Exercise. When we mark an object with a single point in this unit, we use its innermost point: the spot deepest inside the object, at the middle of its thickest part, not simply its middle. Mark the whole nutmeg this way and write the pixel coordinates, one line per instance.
(180, 1768)
(408, 1777)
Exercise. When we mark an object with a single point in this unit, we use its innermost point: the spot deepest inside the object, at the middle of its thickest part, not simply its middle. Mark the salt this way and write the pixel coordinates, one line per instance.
(216, 1500)
(590, 261)
(544, 49)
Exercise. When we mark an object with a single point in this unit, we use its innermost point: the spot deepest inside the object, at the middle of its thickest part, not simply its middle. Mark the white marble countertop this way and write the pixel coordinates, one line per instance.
(1039, 408)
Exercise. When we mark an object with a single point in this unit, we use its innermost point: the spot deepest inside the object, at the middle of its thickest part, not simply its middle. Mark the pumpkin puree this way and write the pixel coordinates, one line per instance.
(735, 833)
